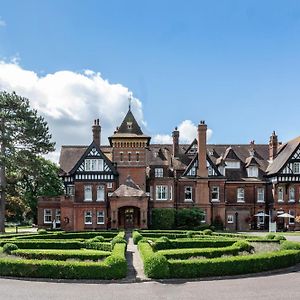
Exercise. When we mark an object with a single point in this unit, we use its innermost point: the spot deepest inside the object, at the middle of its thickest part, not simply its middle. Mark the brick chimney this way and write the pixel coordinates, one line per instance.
(202, 168)
(273, 146)
(96, 128)
(175, 135)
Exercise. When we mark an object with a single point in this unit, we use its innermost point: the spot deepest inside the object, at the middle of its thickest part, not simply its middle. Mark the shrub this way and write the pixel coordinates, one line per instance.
(97, 245)
(189, 217)
(55, 254)
(279, 238)
(155, 265)
(270, 236)
(136, 236)
(116, 240)
(163, 218)
(233, 265)
(192, 243)
(42, 231)
(190, 234)
(98, 239)
(207, 232)
(288, 245)
(9, 247)
(205, 252)
(243, 245)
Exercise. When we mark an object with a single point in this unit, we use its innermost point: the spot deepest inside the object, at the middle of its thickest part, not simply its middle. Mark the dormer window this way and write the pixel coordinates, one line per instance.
(129, 125)
(159, 172)
(222, 170)
(252, 171)
(233, 164)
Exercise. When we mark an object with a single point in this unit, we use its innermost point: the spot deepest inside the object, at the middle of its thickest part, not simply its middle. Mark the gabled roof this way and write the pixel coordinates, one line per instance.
(251, 161)
(72, 156)
(285, 152)
(129, 189)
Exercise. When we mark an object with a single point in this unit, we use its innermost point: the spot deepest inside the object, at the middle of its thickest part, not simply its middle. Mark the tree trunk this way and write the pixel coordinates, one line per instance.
(2, 179)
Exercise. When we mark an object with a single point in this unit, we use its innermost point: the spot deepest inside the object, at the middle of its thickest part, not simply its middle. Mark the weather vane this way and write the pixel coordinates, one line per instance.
(129, 100)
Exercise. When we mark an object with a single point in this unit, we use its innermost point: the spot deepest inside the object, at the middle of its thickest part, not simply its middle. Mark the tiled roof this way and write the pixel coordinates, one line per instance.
(283, 155)
(129, 189)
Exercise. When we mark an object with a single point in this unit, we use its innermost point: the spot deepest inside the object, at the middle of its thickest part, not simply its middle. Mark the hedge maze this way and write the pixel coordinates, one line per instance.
(191, 254)
(82, 255)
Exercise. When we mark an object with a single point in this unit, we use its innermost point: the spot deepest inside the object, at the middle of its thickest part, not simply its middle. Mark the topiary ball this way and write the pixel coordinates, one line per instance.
(270, 236)
(9, 247)
(207, 232)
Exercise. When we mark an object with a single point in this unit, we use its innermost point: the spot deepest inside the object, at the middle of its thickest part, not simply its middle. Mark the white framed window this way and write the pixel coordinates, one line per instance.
(88, 193)
(240, 195)
(292, 220)
(161, 192)
(260, 219)
(188, 194)
(171, 192)
(109, 185)
(88, 217)
(215, 194)
(210, 170)
(232, 164)
(252, 171)
(57, 216)
(100, 193)
(292, 194)
(230, 219)
(47, 216)
(70, 190)
(159, 172)
(203, 217)
(100, 217)
(296, 167)
(91, 164)
(260, 194)
(280, 194)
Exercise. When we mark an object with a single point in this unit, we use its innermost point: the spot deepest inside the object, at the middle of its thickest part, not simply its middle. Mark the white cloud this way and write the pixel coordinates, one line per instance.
(2, 22)
(188, 132)
(70, 101)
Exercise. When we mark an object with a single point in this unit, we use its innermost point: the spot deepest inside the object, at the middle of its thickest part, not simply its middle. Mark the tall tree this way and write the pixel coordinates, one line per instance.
(21, 129)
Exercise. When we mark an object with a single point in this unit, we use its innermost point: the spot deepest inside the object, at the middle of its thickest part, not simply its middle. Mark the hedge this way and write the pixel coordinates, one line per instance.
(113, 267)
(163, 218)
(168, 235)
(54, 254)
(192, 243)
(233, 265)
(56, 244)
(205, 252)
(72, 235)
(155, 265)
(136, 236)
(289, 245)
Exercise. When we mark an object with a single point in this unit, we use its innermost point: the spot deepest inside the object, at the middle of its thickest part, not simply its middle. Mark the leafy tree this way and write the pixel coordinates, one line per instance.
(21, 131)
(189, 217)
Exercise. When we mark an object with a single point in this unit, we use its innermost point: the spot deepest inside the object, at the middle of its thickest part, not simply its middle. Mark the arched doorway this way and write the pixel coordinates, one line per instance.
(129, 217)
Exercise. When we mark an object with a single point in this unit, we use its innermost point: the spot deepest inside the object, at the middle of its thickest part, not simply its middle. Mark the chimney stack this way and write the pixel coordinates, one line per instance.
(96, 128)
(202, 168)
(273, 146)
(175, 135)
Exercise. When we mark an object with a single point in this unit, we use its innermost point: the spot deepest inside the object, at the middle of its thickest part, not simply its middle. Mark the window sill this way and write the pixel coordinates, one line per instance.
(48, 222)
(215, 200)
(100, 200)
(161, 199)
(188, 200)
(291, 201)
(240, 201)
(280, 201)
(88, 223)
(260, 201)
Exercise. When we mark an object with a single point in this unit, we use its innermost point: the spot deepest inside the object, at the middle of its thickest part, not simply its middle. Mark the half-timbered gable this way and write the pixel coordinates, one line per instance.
(94, 166)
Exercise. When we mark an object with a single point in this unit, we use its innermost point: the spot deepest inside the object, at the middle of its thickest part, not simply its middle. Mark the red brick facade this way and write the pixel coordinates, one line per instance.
(117, 186)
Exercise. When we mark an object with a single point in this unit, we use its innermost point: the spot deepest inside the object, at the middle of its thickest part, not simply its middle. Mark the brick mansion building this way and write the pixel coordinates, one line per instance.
(117, 186)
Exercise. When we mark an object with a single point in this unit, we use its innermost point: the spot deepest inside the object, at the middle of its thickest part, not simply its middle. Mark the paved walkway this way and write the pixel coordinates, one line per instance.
(134, 261)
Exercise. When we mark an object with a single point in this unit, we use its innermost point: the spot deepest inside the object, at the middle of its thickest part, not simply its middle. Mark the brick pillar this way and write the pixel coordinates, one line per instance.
(273, 146)
(96, 128)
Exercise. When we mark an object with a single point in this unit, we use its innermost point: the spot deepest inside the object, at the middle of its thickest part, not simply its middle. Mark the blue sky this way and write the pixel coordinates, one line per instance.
(235, 64)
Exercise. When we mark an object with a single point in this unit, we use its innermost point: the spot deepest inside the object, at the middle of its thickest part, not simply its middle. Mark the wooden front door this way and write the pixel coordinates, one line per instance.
(129, 217)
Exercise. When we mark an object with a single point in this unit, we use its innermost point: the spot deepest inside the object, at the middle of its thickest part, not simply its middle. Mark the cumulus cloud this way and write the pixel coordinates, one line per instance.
(2, 22)
(70, 101)
(188, 132)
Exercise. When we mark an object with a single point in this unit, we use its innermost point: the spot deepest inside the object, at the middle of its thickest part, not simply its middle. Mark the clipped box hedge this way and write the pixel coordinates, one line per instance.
(56, 244)
(55, 254)
(113, 267)
(233, 265)
(205, 252)
(192, 243)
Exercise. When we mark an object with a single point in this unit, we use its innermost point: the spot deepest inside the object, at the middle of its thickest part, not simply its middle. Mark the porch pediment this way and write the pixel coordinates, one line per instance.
(127, 191)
